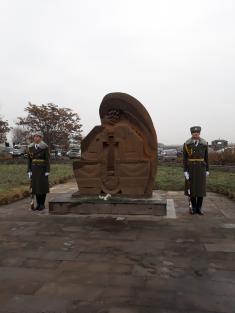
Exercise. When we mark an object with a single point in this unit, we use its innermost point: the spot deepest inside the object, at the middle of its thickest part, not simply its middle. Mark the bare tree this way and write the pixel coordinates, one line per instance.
(4, 129)
(19, 135)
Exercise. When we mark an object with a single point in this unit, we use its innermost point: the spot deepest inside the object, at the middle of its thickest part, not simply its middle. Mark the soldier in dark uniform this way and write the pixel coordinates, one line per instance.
(39, 169)
(196, 169)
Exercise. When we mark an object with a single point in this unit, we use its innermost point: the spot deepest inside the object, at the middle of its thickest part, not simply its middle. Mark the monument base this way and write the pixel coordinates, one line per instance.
(89, 205)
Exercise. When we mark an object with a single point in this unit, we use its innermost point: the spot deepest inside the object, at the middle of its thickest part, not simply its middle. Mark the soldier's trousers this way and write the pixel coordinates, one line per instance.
(196, 203)
(41, 199)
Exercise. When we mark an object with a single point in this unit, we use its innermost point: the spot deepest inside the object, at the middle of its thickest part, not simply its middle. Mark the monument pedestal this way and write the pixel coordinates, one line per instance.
(93, 205)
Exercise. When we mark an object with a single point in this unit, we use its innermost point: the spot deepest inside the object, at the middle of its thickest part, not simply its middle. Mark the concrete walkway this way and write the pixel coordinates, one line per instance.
(68, 264)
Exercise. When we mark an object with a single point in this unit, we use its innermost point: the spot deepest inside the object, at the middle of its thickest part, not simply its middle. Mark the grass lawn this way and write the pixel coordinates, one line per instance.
(171, 178)
(14, 182)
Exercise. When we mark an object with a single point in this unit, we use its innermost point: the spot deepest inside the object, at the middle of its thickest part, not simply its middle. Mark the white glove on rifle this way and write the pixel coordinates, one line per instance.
(47, 174)
(207, 173)
(29, 174)
(186, 175)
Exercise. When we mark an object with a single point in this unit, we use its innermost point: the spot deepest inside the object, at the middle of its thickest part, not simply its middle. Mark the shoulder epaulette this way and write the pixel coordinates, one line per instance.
(189, 141)
(43, 145)
(203, 141)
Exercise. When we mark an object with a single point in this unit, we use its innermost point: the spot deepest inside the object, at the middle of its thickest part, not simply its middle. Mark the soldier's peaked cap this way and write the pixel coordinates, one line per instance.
(195, 129)
(38, 133)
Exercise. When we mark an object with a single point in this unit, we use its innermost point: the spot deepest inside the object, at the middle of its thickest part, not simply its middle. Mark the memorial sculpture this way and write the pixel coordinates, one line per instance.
(119, 157)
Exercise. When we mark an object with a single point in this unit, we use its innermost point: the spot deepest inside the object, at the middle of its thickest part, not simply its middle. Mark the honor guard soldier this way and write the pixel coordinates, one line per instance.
(39, 169)
(196, 169)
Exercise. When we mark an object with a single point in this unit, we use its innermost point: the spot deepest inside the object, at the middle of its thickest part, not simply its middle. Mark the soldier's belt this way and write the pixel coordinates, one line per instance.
(38, 161)
(196, 160)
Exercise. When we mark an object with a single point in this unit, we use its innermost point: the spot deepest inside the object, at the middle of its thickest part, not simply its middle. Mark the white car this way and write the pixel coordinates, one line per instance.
(74, 153)
(169, 155)
(18, 151)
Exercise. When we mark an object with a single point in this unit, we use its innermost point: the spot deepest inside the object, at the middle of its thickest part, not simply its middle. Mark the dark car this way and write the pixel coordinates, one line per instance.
(160, 153)
(5, 153)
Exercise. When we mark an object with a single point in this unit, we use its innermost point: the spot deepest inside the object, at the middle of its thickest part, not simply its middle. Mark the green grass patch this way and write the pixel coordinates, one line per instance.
(170, 177)
(222, 182)
(14, 182)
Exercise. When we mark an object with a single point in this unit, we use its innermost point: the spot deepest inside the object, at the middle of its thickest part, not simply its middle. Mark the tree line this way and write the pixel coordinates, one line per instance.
(57, 124)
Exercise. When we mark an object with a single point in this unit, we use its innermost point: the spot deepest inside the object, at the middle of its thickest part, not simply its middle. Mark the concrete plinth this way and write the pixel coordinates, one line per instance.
(67, 204)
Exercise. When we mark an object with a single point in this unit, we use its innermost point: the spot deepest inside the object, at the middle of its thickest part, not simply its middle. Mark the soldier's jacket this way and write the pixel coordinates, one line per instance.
(195, 161)
(39, 164)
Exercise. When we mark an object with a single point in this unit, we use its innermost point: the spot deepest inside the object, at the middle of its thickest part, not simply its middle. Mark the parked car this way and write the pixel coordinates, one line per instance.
(74, 153)
(169, 155)
(160, 153)
(18, 151)
(179, 153)
(5, 153)
(56, 154)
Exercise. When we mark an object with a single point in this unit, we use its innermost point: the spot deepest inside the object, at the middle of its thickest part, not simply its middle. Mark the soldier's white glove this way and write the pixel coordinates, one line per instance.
(47, 174)
(186, 175)
(207, 173)
(29, 174)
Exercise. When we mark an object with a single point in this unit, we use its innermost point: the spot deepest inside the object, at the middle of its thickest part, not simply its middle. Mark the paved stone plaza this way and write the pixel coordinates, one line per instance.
(70, 264)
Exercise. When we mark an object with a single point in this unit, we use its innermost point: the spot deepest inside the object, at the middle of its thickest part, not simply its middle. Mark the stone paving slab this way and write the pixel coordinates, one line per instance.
(54, 264)
(223, 247)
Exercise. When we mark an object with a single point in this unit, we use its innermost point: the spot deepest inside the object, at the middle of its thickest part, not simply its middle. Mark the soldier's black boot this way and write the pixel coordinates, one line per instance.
(199, 206)
(38, 202)
(42, 202)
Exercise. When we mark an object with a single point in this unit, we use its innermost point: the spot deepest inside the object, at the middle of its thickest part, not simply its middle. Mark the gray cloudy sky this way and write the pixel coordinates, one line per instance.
(176, 57)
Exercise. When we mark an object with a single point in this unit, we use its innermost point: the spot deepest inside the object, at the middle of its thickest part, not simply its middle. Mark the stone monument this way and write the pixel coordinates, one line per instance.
(119, 157)
(116, 172)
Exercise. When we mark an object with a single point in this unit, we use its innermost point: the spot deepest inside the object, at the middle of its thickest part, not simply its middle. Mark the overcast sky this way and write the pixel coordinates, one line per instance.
(176, 57)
